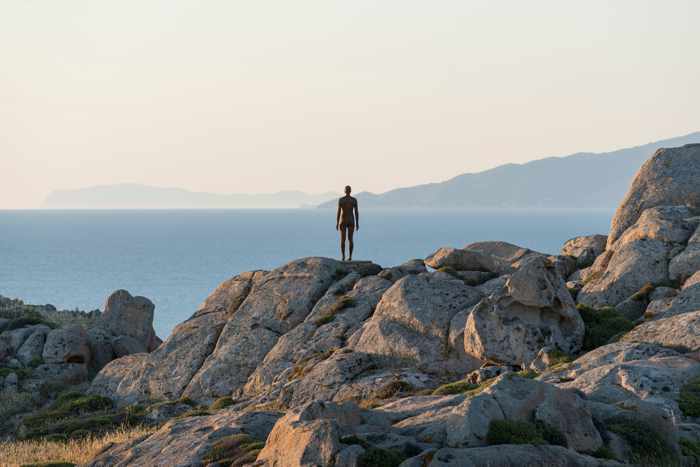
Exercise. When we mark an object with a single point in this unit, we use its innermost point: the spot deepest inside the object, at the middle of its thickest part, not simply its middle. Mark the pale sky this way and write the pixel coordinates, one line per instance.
(232, 96)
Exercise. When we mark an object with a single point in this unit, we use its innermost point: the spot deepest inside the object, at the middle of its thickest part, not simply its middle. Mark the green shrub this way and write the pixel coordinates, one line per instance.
(604, 452)
(689, 398)
(35, 362)
(13, 403)
(188, 401)
(235, 449)
(22, 373)
(529, 374)
(559, 359)
(458, 387)
(30, 318)
(551, 434)
(38, 427)
(378, 457)
(690, 449)
(602, 325)
(513, 432)
(647, 445)
(221, 403)
(354, 439)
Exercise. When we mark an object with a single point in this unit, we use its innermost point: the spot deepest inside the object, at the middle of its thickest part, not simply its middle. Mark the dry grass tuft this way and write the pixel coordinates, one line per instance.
(76, 451)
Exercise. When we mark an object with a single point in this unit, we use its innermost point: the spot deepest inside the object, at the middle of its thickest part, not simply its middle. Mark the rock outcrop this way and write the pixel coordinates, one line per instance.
(669, 178)
(534, 310)
(480, 358)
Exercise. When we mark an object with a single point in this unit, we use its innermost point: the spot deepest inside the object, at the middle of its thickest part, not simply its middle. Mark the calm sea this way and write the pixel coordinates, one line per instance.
(76, 258)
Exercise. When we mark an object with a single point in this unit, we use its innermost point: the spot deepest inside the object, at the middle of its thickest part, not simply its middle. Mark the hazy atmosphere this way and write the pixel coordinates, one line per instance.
(232, 97)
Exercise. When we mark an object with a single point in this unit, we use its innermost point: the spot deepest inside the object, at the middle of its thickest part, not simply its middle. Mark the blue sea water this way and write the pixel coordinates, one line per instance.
(75, 259)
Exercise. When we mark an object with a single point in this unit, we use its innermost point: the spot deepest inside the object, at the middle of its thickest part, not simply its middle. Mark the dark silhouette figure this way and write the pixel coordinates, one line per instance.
(347, 220)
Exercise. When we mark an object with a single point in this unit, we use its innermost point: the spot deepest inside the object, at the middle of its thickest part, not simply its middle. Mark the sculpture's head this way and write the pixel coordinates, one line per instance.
(348, 190)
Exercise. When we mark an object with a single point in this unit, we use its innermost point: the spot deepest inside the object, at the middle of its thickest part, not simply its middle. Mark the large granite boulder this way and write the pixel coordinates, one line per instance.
(125, 315)
(32, 348)
(494, 257)
(534, 310)
(67, 345)
(334, 318)
(412, 322)
(310, 435)
(639, 257)
(166, 372)
(585, 249)
(276, 304)
(669, 178)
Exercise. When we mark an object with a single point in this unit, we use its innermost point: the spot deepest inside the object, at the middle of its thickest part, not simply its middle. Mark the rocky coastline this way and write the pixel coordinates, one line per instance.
(485, 355)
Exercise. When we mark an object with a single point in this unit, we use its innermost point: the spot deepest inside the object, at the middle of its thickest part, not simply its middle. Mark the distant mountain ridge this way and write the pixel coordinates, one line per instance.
(581, 180)
(135, 196)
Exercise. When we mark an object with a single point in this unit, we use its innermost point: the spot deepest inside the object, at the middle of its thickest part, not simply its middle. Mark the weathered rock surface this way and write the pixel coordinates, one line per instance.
(32, 348)
(181, 443)
(687, 300)
(687, 262)
(67, 345)
(334, 318)
(280, 301)
(166, 372)
(626, 371)
(125, 315)
(585, 249)
(494, 257)
(639, 257)
(411, 325)
(682, 331)
(511, 455)
(669, 178)
(511, 398)
(534, 310)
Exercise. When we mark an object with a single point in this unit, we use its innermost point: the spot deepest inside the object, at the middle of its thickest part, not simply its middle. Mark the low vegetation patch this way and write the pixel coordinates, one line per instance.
(690, 449)
(458, 387)
(13, 403)
(378, 457)
(22, 373)
(643, 294)
(647, 445)
(689, 398)
(604, 452)
(523, 432)
(26, 318)
(602, 325)
(61, 452)
(529, 374)
(75, 415)
(559, 358)
(329, 315)
(221, 403)
(234, 450)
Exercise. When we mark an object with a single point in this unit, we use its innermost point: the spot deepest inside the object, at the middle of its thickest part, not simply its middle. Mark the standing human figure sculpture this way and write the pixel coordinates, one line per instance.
(347, 221)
